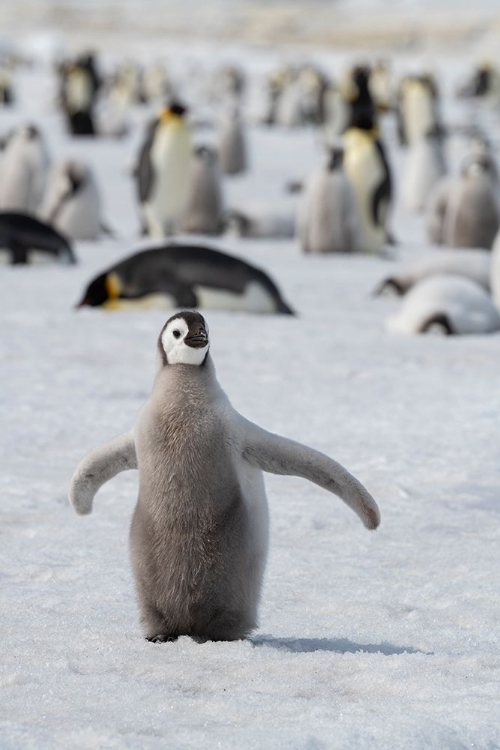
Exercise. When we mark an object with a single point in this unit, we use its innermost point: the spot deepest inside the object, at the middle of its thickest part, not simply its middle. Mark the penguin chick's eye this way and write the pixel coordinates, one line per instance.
(176, 334)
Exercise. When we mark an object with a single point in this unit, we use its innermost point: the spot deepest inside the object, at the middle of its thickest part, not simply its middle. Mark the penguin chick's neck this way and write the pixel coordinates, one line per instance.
(184, 383)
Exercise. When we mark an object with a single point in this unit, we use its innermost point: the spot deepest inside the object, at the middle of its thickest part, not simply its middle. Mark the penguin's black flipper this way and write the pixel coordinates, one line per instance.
(144, 172)
(383, 193)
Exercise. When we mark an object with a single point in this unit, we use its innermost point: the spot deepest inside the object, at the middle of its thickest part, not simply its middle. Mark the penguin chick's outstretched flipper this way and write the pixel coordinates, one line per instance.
(279, 455)
(98, 467)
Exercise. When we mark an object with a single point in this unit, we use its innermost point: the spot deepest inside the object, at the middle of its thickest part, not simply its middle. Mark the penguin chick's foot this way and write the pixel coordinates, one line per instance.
(162, 638)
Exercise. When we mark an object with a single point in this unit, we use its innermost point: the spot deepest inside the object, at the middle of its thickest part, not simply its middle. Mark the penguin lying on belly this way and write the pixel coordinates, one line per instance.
(185, 276)
(25, 239)
(200, 529)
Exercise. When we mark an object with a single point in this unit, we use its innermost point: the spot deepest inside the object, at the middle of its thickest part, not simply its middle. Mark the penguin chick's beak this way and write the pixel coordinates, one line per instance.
(197, 340)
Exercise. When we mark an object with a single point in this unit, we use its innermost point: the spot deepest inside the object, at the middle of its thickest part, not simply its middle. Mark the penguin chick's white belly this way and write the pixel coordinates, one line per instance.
(200, 530)
(463, 303)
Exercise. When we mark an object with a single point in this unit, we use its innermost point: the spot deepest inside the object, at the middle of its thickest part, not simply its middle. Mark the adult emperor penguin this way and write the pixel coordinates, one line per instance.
(163, 174)
(417, 107)
(465, 211)
(80, 84)
(199, 533)
(366, 166)
(205, 205)
(232, 147)
(25, 165)
(25, 239)
(72, 202)
(185, 275)
(329, 219)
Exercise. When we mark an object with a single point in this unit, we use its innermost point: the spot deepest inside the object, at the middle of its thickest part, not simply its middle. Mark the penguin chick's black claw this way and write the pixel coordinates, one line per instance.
(162, 638)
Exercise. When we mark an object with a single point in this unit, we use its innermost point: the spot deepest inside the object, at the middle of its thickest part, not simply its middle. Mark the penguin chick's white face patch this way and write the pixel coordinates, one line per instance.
(176, 344)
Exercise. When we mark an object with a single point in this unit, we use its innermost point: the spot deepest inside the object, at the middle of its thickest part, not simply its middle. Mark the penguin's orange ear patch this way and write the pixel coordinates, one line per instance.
(113, 286)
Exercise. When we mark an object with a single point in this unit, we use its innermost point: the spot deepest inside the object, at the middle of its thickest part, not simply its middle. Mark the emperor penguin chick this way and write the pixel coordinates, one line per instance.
(465, 211)
(329, 220)
(205, 205)
(164, 172)
(25, 165)
(72, 202)
(232, 147)
(199, 534)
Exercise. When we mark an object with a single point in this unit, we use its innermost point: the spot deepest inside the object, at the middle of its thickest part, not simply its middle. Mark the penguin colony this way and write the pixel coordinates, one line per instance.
(186, 173)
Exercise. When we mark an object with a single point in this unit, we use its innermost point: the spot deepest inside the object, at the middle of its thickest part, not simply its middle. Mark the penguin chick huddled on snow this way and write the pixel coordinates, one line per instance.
(200, 529)
(232, 147)
(72, 202)
(25, 165)
(205, 205)
(328, 219)
(163, 173)
(454, 304)
(367, 168)
(465, 211)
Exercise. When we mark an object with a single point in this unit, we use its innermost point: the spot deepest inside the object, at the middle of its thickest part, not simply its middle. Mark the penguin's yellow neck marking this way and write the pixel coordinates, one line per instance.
(114, 286)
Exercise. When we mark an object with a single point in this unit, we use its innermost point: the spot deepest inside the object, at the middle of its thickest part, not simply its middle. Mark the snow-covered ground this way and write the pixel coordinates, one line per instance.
(367, 640)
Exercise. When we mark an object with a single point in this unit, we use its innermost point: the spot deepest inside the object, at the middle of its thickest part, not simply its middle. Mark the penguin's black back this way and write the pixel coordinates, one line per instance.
(156, 269)
(21, 233)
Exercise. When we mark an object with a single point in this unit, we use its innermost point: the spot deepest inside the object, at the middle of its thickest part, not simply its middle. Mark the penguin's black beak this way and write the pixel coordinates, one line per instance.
(197, 339)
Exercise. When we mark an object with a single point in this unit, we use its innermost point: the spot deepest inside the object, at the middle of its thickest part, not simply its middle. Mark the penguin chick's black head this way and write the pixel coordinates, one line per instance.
(184, 339)
(96, 293)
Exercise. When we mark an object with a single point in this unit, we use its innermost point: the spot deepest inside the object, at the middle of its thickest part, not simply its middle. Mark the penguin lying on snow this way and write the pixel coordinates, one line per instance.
(185, 276)
(25, 239)
(451, 304)
(199, 534)
(448, 305)
(473, 264)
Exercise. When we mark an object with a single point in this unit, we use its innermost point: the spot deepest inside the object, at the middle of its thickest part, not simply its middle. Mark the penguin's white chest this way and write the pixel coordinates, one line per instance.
(363, 167)
(171, 162)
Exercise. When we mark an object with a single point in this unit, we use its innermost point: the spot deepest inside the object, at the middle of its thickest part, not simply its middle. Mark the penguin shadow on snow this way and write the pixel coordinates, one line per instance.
(336, 645)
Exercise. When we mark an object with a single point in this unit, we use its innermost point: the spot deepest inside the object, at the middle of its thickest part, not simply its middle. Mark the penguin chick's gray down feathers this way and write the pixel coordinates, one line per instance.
(199, 534)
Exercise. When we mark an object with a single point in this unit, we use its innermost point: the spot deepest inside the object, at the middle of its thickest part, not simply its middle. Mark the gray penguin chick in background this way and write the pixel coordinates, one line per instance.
(200, 529)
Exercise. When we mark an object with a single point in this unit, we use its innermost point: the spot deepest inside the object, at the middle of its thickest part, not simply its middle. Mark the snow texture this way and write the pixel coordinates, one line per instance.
(367, 640)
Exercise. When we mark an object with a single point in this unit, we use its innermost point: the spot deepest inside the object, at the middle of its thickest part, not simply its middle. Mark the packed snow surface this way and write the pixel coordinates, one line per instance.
(376, 640)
